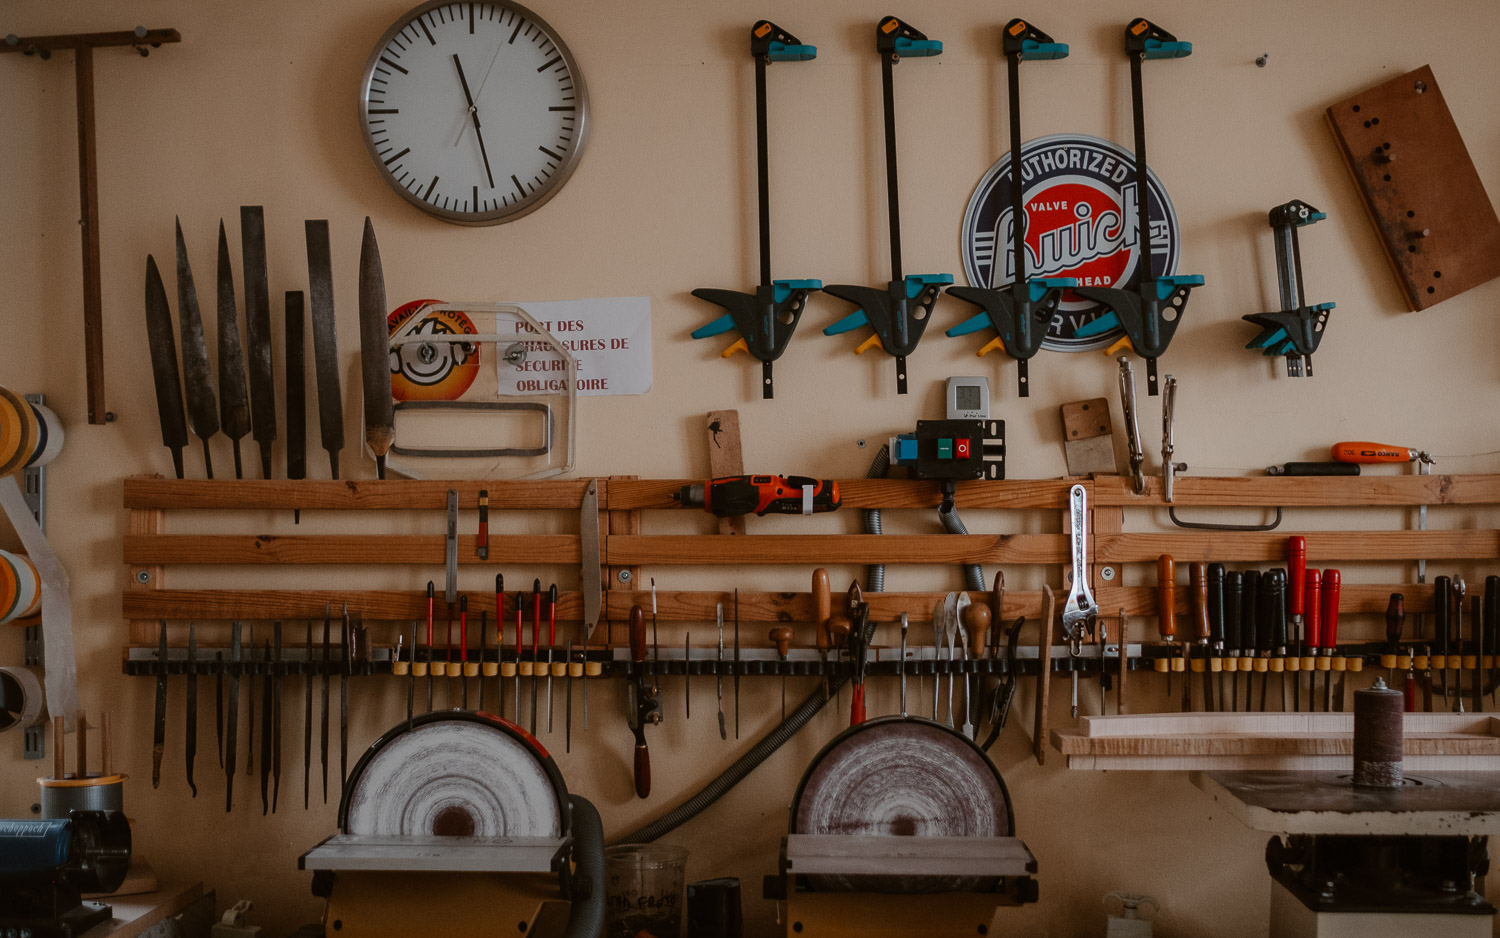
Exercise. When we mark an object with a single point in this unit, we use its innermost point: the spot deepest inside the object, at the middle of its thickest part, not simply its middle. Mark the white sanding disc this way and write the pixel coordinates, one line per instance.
(900, 777)
(454, 775)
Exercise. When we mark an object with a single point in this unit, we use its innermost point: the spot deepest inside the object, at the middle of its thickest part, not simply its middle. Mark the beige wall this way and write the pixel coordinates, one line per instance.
(256, 106)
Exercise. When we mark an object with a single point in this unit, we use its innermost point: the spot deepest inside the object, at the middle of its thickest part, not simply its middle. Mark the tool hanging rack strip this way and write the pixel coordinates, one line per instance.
(148, 549)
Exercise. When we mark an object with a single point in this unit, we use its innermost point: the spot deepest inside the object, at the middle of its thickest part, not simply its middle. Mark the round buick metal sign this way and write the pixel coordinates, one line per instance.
(1080, 206)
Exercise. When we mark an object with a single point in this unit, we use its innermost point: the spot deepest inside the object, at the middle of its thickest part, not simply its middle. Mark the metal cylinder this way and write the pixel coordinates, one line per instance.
(1378, 737)
(98, 793)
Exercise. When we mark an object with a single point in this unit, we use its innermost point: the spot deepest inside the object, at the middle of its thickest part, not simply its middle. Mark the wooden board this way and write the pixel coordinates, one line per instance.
(724, 457)
(1302, 741)
(1353, 492)
(1419, 186)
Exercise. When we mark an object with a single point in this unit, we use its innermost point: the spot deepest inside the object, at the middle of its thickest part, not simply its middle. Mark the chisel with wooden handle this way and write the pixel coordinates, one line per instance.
(1278, 630)
(234, 394)
(159, 723)
(1331, 583)
(1312, 588)
(190, 752)
(1166, 613)
(822, 595)
(375, 351)
(1216, 636)
(1202, 630)
(1233, 644)
(1296, 550)
(1442, 589)
(1249, 633)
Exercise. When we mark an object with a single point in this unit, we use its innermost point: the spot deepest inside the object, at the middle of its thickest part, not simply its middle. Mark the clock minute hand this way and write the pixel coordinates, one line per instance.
(474, 116)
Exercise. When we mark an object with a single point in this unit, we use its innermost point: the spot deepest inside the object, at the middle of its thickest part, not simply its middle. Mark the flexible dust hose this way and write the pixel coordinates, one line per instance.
(879, 469)
(586, 919)
(742, 767)
(973, 572)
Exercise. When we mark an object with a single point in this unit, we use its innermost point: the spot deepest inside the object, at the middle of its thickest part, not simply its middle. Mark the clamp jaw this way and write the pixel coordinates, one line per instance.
(1020, 314)
(1297, 329)
(765, 319)
(1030, 43)
(896, 39)
(774, 44)
(899, 314)
(1149, 315)
(1149, 41)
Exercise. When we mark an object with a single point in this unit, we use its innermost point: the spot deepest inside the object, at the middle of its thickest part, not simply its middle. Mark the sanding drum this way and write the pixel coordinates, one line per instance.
(1378, 737)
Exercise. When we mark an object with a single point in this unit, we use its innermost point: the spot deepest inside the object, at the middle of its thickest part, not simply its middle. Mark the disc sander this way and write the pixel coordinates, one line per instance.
(455, 774)
(902, 777)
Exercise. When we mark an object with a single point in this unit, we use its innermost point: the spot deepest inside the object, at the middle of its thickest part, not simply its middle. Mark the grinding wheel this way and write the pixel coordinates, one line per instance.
(455, 773)
(902, 777)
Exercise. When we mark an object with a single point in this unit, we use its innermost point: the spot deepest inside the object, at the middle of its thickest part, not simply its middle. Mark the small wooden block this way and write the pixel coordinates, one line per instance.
(1088, 438)
(1420, 187)
(725, 456)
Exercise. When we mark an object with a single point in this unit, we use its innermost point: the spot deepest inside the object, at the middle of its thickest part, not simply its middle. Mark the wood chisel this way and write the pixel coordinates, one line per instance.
(1233, 643)
(1331, 583)
(1278, 629)
(520, 600)
(1166, 612)
(1313, 630)
(250, 702)
(1477, 617)
(484, 653)
(781, 637)
(1215, 574)
(552, 643)
(976, 620)
(325, 341)
(1395, 619)
(536, 632)
(191, 744)
(296, 390)
(1491, 631)
(326, 671)
(232, 717)
(1202, 630)
(1459, 589)
(1265, 632)
(198, 380)
(905, 625)
(736, 662)
(1296, 549)
(375, 352)
(719, 667)
(1442, 588)
(219, 704)
(425, 666)
(307, 714)
(568, 697)
(275, 728)
(164, 373)
(234, 394)
(258, 333)
(344, 673)
(822, 596)
(266, 718)
(500, 673)
(687, 676)
(1249, 632)
(462, 672)
(159, 723)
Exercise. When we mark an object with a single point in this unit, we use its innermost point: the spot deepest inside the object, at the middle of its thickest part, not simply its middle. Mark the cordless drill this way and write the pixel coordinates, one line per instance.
(732, 496)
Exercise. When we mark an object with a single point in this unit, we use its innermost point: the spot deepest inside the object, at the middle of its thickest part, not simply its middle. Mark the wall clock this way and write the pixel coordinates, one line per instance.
(474, 112)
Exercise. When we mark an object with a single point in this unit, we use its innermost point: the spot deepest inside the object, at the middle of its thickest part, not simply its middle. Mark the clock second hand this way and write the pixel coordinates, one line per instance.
(474, 115)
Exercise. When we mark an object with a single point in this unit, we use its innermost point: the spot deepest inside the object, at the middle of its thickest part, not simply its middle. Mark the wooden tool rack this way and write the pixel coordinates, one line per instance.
(150, 551)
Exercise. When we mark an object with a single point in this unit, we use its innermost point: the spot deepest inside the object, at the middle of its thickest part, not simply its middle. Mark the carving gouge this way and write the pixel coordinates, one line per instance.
(1491, 629)
(1457, 601)
(232, 718)
(1477, 617)
(219, 703)
(536, 630)
(1331, 583)
(552, 642)
(327, 668)
(276, 717)
(192, 705)
(1395, 618)
(1442, 588)
(1166, 610)
(822, 611)
(1296, 550)
(159, 724)
(1313, 605)
(1278, 628)
(1233, 644)
(266, 718)
(344, 673)
(307, 710)
(1250, 631)
(719, 667)
(1216, 626)
(1202, 630)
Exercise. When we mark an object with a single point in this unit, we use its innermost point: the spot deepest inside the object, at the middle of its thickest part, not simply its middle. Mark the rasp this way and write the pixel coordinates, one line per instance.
(325, 341)
(344, 672)
(164, 365)
(234, 396)
(296, 391)
(159, 725)
(232, 720)
(258, 333)
(307, 708)
(375, 351)
(198, 381)
(191, 747)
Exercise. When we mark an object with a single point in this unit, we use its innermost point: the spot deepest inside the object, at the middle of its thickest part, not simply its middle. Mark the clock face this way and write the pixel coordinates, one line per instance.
(473, 112)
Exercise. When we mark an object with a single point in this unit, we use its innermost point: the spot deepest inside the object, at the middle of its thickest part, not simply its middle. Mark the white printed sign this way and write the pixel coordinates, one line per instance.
(610, 338)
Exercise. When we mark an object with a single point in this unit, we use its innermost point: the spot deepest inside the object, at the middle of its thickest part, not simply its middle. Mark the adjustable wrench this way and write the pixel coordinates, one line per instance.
(1080, 615)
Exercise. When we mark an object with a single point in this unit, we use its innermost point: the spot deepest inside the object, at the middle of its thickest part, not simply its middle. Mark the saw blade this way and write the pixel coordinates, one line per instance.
(375, 351)
(234, 395)
(164, 365)
(325, 341)
(455, 773)
(901, 777)
(258, 332)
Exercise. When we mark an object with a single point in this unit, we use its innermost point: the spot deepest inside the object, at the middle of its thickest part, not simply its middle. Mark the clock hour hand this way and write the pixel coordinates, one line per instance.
(474, 116)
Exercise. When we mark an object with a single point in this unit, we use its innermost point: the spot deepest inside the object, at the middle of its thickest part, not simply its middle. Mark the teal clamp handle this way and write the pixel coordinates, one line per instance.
(1285, 348)
(1167, 285)
(914, 48)
(1032, 50)
(785, 288)
(1324, 307)
(1312, 217)
(723, 324)
(972, 324)
(916, 283)
(1156, 49)
(849, 323)
(1040, 285)
(781, 52)
(1106, 323)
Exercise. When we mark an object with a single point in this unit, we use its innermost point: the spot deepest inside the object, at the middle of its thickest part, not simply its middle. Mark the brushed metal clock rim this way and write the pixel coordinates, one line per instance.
(507, 213)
